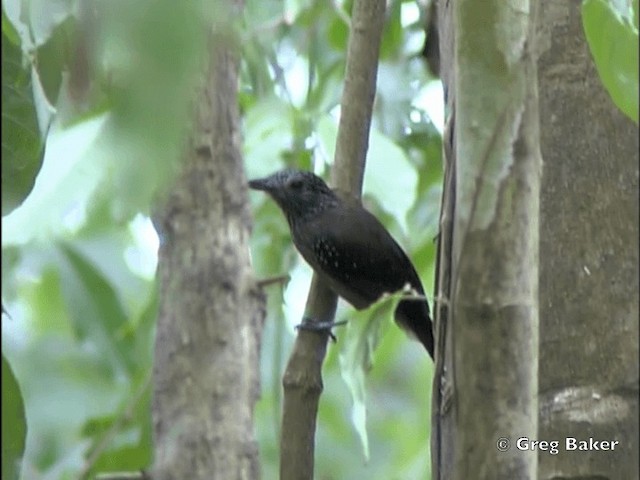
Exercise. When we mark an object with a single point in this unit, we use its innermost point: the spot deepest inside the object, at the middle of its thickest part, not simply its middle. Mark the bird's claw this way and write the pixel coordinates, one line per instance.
(325, 327)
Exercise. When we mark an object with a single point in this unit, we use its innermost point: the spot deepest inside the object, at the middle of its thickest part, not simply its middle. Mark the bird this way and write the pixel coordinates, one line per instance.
(348, 248)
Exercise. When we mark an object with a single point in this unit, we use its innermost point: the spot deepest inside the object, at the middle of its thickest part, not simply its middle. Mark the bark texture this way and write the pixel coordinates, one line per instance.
(485, 389)
(589, 267)
(207, 346)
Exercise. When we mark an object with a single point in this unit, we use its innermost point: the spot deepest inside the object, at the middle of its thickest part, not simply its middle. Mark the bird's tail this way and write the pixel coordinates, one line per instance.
(412, 315)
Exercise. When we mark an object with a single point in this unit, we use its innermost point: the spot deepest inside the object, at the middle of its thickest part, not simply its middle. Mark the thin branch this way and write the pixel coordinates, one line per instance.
(266, 282)
(302, 379)
(142, 475)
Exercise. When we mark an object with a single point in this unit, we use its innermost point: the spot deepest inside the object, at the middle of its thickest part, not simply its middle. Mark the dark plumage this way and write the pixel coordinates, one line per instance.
(348, 247)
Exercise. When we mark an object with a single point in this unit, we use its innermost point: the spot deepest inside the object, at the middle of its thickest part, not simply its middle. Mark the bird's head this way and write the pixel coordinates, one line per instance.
(299, 194)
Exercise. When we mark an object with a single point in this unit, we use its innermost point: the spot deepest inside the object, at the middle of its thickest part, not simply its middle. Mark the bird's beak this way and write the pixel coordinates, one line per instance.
(263, 184)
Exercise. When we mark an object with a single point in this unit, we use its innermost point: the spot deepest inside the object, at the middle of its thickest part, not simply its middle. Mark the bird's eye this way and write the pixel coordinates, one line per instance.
(296, 183)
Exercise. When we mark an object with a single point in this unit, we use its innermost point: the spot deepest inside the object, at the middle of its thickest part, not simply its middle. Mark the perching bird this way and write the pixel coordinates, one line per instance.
(348, 247)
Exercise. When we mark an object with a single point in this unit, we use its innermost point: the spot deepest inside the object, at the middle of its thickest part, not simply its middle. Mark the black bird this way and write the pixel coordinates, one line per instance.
(348, 247)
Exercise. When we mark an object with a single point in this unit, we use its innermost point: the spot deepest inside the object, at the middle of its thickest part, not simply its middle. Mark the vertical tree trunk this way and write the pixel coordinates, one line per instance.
(207, 346)
(589, 270)
(485, 389)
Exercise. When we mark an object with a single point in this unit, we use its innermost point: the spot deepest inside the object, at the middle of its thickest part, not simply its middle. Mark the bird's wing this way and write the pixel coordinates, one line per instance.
(353, 251)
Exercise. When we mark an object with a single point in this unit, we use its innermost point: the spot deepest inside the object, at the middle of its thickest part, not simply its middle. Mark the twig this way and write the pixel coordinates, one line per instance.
(265, 282)
(109, 435)
(141, 475)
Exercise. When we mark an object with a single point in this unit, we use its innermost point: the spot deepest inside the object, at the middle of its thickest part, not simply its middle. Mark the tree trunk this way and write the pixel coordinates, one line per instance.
(589, 269)
(207, 346)
(485, 388)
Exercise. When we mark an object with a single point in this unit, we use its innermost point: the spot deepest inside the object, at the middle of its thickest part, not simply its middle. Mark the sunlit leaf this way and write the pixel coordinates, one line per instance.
(45, 16)
(64, 186)
(268, 134)
(613, 41)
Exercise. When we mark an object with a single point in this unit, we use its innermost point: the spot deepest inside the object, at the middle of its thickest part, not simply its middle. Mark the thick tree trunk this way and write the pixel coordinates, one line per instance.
(207, 346)
(485, 389)
(589, 269)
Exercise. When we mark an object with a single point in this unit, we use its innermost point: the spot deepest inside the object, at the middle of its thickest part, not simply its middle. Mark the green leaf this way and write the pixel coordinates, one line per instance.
(52, 58)
(356, 358)
(14, 424)
(613, 41)
(75, 342)
(22, 147)
(389, 175)
(129, 432)
(45, 16)
(267, 128)
(9, 30)
(393, 32)
(95, 309)
(64, 185)
(338, 34)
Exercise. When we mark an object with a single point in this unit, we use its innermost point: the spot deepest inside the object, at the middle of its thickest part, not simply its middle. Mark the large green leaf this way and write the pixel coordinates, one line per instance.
(155, 68)
(142, 66)
(22, 147)
(96, 310)
(14, 424)
(613, 40)
(34, 55)
(63, 188)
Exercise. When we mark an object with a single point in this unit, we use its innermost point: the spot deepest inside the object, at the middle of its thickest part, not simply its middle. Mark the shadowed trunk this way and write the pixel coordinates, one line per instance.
(589, 269)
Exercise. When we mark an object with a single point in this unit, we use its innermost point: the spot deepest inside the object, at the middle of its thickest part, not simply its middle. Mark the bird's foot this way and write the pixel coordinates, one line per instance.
(323, 327)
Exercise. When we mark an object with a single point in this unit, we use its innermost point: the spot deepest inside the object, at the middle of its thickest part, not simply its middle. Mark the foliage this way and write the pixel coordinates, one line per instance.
(108, 91)
(613, 39)
(75, 283)
(21, 143)
(14, 428)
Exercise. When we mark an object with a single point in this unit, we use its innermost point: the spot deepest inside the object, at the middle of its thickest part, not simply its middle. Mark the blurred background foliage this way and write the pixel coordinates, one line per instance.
(96, 100)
